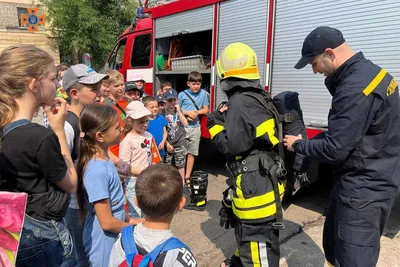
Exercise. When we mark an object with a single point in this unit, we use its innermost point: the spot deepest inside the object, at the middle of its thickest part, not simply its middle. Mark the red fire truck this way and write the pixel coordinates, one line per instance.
(168, 39)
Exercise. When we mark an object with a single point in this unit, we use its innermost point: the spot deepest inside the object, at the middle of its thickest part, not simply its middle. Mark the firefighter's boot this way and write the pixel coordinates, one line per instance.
(198, 189)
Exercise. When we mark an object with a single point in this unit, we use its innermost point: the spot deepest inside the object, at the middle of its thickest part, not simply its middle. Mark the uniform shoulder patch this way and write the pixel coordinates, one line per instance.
(185, 257)
(391, 88)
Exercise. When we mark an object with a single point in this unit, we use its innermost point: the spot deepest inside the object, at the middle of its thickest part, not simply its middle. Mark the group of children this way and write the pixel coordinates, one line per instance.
(109, 131)
(117, 142)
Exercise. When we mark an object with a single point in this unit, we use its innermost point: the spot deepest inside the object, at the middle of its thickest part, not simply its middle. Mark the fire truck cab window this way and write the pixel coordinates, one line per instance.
(117, 56)
(141, 51)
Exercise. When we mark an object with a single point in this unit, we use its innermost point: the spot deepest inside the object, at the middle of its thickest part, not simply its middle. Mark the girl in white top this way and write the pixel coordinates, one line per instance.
(135, 150)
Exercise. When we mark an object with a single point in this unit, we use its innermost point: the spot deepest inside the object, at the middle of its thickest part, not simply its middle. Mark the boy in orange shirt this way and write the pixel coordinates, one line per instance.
(118, 101)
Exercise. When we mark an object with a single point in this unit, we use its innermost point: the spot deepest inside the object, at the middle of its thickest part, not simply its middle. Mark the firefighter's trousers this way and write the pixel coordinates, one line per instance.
(256, 253)
(352, 230)
(255, 206)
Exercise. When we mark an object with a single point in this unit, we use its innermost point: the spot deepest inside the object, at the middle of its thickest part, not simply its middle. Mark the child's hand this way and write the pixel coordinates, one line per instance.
(57, 114)
(170, 148)
(193, 114)
(161, 146)
(178, 108)
(122, 168)
(135, 220)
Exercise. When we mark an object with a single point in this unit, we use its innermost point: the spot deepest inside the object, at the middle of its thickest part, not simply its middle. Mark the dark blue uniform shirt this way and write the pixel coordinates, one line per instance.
(363, 137)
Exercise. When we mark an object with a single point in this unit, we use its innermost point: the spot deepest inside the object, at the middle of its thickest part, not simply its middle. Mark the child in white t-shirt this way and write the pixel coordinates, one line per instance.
(135, 149)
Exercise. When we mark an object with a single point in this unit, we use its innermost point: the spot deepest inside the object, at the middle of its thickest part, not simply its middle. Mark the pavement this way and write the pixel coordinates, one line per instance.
(301, 241)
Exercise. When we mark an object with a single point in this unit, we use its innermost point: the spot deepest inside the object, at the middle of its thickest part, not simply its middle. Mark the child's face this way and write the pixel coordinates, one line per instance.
(140, 125)
(104, 90)
(153, 107)
(161, 105)
(171, 103)
(112, 135)
(46, 88)
(139, 84)
(165, 88)
(117, 88)
(194, 86)
(87, 95)
(133, 94)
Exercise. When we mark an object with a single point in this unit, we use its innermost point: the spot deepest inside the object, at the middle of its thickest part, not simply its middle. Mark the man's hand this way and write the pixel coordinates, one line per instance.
(290, 139)
(223, 109)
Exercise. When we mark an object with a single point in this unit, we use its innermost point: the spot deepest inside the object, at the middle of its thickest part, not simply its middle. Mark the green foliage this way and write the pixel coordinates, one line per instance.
(88, 26)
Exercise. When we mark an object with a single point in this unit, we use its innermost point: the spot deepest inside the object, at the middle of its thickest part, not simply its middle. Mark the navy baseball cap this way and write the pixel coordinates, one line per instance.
(316, 42)
(130, 86)
(160, 98)
(171, 93)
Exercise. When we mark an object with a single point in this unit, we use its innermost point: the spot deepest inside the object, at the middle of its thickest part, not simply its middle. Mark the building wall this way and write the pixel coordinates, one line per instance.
(11, 33)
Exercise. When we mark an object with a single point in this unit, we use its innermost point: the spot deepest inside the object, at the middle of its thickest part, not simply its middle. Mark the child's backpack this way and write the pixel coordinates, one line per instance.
(132, 256)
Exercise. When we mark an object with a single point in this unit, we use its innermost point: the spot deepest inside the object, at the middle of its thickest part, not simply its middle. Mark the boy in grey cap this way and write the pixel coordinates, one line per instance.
(82, 85)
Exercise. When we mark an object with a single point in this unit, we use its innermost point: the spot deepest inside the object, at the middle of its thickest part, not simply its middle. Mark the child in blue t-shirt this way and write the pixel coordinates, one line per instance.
(157, 123)
(99, 192)
(194, 103)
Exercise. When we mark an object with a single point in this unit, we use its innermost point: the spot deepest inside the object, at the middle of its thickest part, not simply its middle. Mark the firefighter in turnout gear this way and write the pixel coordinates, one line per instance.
(245, 130)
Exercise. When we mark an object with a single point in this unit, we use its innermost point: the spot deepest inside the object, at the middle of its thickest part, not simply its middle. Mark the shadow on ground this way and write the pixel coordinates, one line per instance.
(292, 250)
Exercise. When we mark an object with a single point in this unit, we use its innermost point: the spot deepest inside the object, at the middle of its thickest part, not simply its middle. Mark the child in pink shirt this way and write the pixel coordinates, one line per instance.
(135, 149)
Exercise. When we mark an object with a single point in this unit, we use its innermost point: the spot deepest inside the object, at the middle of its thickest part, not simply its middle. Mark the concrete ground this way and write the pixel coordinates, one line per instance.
(301, 241)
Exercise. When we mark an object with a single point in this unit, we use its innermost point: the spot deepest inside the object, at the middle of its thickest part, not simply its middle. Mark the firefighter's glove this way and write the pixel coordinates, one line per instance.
(214, 118)
(227, 219)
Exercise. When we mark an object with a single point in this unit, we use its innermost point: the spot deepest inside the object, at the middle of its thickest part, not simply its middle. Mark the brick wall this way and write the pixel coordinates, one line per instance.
(8, 14)
(40, 40)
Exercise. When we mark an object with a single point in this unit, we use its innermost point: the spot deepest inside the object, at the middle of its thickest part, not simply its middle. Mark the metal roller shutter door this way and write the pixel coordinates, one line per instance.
(196, 20)
(368, 26)
(243, 21)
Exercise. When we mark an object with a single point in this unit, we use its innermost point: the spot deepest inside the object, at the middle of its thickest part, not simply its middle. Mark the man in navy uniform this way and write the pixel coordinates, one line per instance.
(362, 142)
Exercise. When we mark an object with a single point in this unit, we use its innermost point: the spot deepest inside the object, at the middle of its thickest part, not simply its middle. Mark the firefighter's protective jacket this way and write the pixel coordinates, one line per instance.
(246, 129)
(363, 138)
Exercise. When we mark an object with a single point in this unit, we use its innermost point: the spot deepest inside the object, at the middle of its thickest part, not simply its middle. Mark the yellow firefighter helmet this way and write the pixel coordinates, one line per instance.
(238, 60)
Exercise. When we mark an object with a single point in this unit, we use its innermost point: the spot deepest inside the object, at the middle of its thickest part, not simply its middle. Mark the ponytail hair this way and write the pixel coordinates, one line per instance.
(93, 119)
(19, 64)
(128, 125)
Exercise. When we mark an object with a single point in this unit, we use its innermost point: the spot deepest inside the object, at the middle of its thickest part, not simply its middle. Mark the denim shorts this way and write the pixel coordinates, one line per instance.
(130, 194)
(45, 244)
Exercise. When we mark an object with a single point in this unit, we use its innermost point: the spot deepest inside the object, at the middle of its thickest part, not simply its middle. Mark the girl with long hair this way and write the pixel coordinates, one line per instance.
(38, 159)
(100, 195)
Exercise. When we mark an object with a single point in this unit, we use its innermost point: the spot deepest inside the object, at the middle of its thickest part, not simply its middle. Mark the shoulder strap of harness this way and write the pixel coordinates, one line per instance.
(265, 99)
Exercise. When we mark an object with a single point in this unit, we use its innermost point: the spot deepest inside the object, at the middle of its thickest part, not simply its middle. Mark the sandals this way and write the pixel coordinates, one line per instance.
(187, 181)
